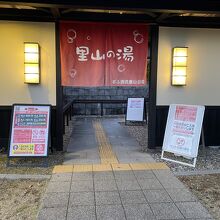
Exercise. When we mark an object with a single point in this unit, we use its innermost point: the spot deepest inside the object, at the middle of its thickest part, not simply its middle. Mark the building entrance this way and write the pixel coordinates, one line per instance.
(106, 140)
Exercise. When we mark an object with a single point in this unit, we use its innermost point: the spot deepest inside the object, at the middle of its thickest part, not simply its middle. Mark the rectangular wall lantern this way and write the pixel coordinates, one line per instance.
(179, 66)
(31, 63)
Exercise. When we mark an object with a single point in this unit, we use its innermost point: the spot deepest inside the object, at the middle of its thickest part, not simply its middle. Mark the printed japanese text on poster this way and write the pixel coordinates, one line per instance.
(30, 130)
(183, 130)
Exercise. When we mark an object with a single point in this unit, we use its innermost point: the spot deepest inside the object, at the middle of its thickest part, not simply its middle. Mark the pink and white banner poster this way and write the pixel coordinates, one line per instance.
(103, 54)
(29, 131)
(135, 109)
(183, 130)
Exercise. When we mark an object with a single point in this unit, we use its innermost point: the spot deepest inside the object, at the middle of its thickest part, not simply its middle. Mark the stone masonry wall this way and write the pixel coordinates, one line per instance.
(102, 93)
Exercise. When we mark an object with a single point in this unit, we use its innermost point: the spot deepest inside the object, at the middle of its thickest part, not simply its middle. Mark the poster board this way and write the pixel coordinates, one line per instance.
(29, 134)
(183, 130)
(135, 109)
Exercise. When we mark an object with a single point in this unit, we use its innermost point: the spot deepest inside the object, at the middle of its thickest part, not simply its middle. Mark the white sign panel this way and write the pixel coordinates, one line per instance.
(29, 131)
(183, 130)
(135, 109)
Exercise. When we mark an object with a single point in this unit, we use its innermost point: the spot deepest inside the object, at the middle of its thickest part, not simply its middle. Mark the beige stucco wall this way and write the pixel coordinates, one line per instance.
(203, 75)
(12, 38)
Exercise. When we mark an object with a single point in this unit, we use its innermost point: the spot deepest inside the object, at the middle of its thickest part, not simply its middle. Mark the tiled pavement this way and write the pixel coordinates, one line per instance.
(128, 185)
(119, 194)
(83, 147)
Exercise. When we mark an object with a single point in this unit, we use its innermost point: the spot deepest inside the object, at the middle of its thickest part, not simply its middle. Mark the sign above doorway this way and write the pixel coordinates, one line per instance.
(103, 54)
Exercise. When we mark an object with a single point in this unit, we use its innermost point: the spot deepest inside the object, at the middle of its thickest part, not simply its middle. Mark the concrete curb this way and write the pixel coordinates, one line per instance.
(197, 172)
(23, 176)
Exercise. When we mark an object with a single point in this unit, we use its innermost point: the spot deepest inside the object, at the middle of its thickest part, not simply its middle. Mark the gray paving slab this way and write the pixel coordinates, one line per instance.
(75, 155)
(158, 195)
(150, 184)
(52, 213)
(181, 195)
(107, 198)
(193, 210)
(2, 176)
(79, 142)
(82, 186)
(82, 176)
(132, 197)
(201, 219)
(107, 212)
(103, 175)
(82, 198)
(61, 177)
(196, 172)
(138, 212)
(127, 184)
(52, 200)
(124, 175)
(105, 185)
(171, 183)
(166, 211)
(163, 174)
(81, 213)
(144, 174)
(26, 176)
(135, 160)
(58, 187)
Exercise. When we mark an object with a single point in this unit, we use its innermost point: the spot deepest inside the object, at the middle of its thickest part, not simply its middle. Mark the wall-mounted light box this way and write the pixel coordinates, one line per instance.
(31, 63)
(179, 66)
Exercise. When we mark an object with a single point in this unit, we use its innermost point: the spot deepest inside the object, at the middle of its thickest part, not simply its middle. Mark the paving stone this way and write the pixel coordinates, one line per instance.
(101, 167)
(144, 174)
(105, 185)
(150, 184)
(107, 198)
(82, 176)
(181, 195)
(108, 175)
(82, 198)
(138, 212)
(121, 167)
(163, 174)
(107, 212)
(158, 195)
(58, 187)
(52, 214)
(2, 176)
(166, 211)
(193, 210)
(63, 169)
(55, 200)
(125, 175)
(201, 219)
(82, 186)
(127, 184)
(82, 167)
(26, 176)
(133, 197)
(171, 183)
(81, 213)
(61, 177)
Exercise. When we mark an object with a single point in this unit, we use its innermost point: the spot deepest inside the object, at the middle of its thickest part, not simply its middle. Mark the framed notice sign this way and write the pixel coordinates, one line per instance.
(29, 135)
(183, 129)
(135, 109)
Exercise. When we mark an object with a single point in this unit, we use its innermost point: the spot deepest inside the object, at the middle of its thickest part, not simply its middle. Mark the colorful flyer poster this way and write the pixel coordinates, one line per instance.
(183, 130)
(135, 109)
(29, 131)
